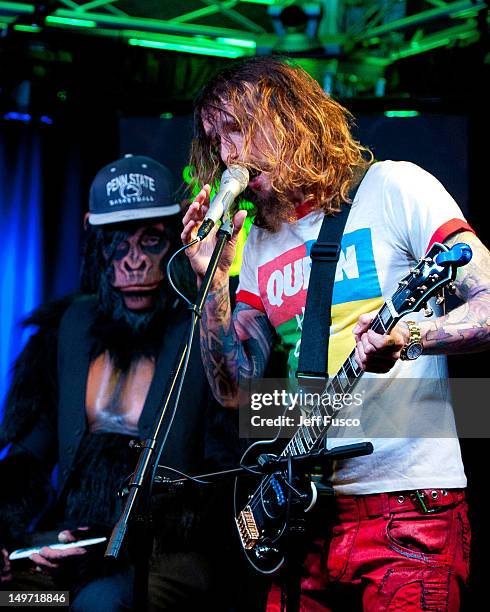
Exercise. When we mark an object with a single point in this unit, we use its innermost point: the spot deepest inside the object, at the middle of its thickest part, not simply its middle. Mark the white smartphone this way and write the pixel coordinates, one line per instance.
(24, 553)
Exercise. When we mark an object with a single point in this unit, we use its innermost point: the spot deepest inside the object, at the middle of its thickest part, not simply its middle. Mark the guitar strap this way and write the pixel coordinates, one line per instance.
(312, 372)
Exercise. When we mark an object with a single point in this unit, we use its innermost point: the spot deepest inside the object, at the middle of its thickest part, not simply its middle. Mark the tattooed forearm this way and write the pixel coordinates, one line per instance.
(219, 346)
(466, 328)
(233, 347)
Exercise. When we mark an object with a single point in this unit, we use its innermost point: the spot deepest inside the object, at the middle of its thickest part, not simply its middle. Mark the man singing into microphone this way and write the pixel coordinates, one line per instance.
(389, 549)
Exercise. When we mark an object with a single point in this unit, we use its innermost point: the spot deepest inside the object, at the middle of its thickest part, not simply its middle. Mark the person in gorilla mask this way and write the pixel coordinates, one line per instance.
(90, 379)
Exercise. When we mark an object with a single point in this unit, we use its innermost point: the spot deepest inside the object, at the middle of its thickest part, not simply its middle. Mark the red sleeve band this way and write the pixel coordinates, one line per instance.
(251, 299)
(448, 229)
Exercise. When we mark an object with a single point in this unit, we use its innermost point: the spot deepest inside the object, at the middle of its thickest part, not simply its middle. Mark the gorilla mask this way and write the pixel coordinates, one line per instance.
(137, 264)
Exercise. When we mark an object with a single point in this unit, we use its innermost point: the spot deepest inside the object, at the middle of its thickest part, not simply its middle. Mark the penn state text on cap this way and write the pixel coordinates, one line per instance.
(134, 187)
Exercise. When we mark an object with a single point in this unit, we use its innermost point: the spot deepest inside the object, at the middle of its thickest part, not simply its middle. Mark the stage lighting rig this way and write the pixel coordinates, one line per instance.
(296, 24)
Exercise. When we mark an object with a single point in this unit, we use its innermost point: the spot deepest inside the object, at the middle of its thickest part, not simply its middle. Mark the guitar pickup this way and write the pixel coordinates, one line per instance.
(247, 528)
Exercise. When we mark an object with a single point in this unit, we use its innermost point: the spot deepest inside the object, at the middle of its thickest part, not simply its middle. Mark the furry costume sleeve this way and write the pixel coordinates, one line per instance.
(29, 425)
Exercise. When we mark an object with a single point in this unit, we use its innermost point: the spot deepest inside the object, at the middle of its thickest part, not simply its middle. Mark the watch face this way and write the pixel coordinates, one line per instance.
(414, 350)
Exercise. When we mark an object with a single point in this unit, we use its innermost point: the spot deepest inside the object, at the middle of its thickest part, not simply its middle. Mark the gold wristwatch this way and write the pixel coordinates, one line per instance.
(413, 348)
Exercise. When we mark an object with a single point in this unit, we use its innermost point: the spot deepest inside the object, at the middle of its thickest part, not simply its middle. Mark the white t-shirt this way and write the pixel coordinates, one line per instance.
(398, 212)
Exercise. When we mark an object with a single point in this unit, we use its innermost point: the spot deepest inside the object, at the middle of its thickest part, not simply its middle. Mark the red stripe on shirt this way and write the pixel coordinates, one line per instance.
(448, 229)
(251, 299)
(304, 209)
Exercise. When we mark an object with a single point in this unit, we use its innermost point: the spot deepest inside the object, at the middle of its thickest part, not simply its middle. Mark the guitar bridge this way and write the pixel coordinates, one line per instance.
(247, 528)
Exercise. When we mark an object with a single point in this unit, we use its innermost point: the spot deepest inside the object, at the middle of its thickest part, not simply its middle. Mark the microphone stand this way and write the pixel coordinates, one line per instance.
(152, 446)
(270, 463)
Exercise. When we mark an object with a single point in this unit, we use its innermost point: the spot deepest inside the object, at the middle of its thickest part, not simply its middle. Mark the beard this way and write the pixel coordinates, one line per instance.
(271, 209)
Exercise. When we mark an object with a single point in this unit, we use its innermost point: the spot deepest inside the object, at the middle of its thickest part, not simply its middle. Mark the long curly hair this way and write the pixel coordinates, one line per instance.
(304, 135)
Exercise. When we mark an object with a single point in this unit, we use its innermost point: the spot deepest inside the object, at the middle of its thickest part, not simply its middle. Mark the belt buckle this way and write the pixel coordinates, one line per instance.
(418, 498)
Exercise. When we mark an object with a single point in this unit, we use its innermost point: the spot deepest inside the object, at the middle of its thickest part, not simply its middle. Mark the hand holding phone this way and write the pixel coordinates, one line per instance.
(25, 553)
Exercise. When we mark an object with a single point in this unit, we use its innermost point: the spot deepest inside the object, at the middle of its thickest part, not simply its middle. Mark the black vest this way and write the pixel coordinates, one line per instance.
(185, 445)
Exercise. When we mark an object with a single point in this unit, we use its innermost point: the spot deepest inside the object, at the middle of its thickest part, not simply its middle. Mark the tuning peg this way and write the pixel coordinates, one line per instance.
(440, 299)
(415, 271)
(451, 287)
(428, 312)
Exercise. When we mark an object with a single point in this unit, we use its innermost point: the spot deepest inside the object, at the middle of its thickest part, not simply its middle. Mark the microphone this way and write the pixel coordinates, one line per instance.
(233, 181)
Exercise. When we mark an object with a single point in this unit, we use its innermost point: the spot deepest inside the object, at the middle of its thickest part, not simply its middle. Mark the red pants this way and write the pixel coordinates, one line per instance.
(385, 554)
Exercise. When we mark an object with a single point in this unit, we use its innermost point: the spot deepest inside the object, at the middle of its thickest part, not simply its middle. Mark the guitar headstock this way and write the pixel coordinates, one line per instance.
(434, 271)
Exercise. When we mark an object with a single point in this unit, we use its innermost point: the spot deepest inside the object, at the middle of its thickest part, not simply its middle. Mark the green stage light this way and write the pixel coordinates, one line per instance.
(23, 27)
(238, 42)
(66, 21)
(402, 113)
(187, 47)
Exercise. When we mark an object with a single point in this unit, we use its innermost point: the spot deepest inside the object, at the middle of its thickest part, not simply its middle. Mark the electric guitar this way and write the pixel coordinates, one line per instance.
(262, 520)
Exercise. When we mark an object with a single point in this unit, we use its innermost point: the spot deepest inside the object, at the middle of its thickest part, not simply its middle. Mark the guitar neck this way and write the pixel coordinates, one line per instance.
(343, 382)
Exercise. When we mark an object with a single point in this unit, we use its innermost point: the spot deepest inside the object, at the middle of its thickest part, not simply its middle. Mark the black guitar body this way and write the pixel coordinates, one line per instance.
(271, 519)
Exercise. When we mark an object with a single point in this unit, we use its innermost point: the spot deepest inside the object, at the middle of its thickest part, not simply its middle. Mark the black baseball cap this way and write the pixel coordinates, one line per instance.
(134, 187)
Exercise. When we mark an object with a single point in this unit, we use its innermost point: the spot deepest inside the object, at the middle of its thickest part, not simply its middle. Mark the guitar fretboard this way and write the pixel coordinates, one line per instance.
(343, 382)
